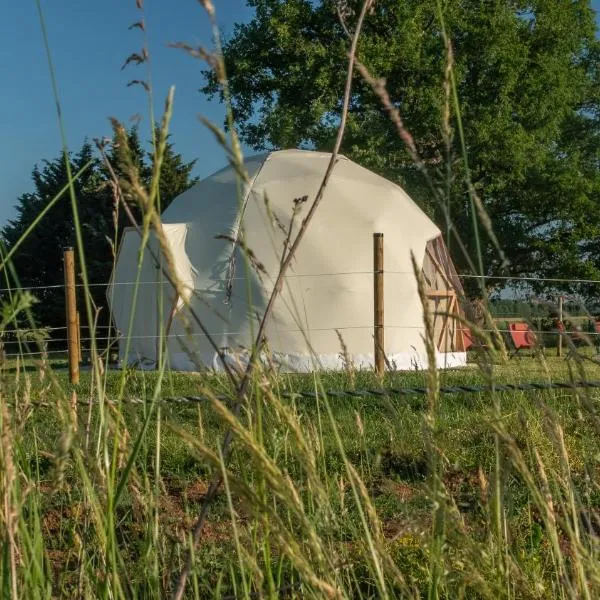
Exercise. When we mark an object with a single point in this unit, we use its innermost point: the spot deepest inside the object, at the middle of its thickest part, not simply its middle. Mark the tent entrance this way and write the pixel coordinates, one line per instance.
(443, 291)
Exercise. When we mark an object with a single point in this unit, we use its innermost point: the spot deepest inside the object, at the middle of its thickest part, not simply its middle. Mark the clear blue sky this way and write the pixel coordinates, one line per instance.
(89, 42)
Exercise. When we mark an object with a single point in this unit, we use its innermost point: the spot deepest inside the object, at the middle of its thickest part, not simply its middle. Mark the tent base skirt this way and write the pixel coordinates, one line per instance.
(304, 363)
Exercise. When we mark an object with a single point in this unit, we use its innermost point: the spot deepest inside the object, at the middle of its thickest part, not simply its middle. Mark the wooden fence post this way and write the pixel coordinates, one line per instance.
(79, 353)
(560, 320)
(378, 303)
(71, 309)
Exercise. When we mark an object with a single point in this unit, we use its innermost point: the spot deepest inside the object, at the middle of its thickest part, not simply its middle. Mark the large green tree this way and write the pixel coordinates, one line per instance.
(38, 259)
(175, 177)
(527, 80)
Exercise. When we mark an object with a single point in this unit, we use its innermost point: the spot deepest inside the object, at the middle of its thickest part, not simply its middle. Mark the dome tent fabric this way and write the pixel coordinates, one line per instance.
(328, 290)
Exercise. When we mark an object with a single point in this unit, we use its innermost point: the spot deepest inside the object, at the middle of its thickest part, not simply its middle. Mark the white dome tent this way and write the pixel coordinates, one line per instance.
(328, 288)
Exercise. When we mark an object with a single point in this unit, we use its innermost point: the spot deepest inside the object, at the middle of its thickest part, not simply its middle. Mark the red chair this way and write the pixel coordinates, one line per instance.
(522, 337)
(467, 339)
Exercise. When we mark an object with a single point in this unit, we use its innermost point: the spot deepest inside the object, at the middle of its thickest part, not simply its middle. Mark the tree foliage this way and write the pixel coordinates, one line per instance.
(527, 79)
(38, 260)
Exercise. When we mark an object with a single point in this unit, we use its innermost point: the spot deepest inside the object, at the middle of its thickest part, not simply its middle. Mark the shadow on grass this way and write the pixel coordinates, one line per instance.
(31, 368)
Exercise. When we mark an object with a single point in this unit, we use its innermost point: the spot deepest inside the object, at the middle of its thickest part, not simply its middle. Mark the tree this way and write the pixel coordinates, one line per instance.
(176, 175)
(139, 158)
(527, 75)
(38, 260)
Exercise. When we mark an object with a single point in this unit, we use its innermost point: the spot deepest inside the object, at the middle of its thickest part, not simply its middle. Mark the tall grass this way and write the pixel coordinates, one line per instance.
(348, 498)
(489, 495)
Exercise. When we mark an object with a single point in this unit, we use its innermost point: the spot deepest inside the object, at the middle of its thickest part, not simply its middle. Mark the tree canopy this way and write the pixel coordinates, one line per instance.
(527, 80)
(38, 260)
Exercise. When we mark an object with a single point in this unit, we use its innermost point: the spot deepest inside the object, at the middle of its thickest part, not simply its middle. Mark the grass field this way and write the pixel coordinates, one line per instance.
(462, 495)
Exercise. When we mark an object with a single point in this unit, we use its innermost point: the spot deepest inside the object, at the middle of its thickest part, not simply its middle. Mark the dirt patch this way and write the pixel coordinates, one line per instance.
(45, 488)
(399, 489)
(172, 510)
(64, 516)
(178, 518)
(458, 479)
(217, 532)
(178, 523)
(466, 487)
(52, 521)
(196, 491)
(183, 491)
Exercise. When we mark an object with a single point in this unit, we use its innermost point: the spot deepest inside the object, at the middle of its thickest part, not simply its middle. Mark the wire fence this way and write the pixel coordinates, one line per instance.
(308, 330)
(48, 338)
(109, 335)
(112, 342)
(515, 278)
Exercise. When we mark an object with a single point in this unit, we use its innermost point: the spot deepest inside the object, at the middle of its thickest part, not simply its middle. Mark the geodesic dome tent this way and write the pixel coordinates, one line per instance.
(226, 242)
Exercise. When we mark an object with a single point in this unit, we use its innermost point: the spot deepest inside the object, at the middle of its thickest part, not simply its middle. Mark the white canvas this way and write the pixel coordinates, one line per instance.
(329, 286)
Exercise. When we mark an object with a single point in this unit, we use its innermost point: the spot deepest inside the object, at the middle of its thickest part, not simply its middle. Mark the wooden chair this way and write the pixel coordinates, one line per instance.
(522, 338)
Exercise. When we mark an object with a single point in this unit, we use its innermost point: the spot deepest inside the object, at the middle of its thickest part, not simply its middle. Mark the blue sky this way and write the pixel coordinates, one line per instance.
(89, 42)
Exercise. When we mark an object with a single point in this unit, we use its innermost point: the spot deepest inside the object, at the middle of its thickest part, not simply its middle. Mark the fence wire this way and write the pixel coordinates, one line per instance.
(576, 335)
(108, 338)
(515, 278)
